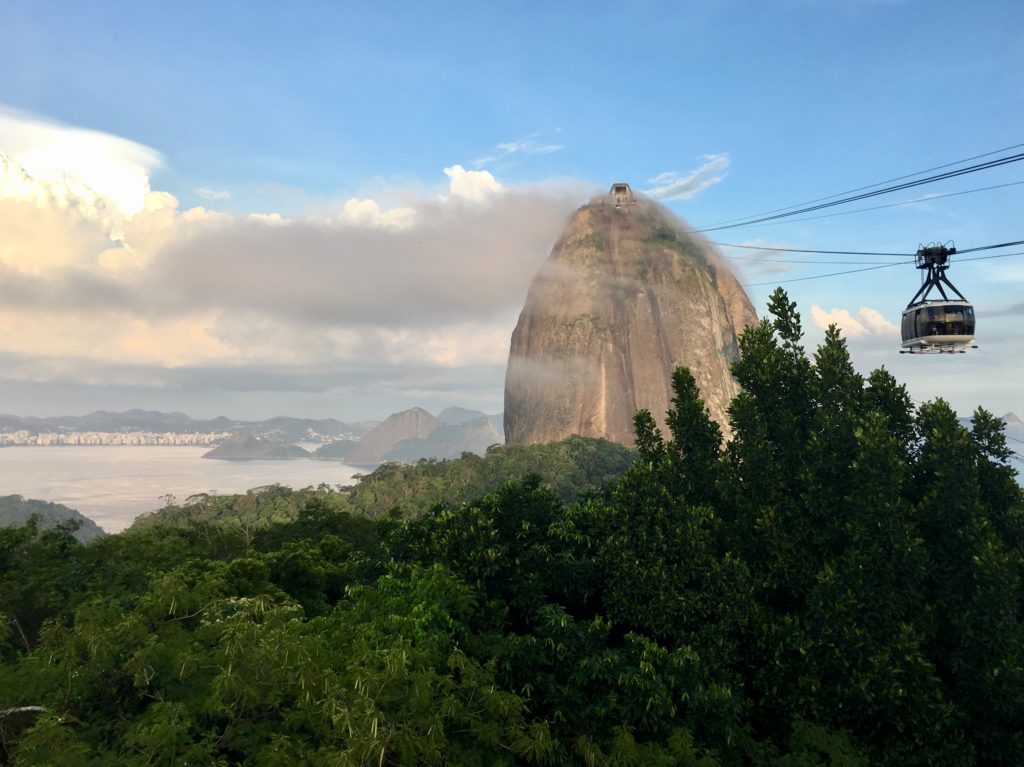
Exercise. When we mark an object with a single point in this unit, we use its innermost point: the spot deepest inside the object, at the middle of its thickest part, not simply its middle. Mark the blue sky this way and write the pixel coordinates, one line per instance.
(298, 109)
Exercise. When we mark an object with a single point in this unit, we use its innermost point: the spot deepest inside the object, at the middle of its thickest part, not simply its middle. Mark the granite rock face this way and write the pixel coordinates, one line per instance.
(626, 296)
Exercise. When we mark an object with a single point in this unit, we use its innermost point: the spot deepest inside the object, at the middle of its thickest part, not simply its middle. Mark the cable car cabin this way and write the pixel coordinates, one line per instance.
(938, 326)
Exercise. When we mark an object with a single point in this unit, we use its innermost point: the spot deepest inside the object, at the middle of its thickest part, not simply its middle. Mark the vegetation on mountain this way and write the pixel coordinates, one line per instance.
(16, 510)
(838, 585)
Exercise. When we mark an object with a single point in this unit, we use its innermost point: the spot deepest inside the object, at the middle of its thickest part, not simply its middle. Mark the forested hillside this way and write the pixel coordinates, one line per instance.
(839, 585)
(16, 510)
(569, 469)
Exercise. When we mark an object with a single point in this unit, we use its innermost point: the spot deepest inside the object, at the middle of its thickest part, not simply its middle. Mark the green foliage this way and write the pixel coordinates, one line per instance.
(841, 584)
(571, 468)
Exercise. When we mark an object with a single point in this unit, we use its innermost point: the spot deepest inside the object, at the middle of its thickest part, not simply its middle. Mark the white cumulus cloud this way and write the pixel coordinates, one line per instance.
(107, 282)
(368, 213)
(427, 283)
(868, 322)
(112, 167)
(473, 185)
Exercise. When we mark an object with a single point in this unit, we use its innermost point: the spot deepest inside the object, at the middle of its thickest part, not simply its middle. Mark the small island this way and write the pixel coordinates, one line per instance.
(245, 446)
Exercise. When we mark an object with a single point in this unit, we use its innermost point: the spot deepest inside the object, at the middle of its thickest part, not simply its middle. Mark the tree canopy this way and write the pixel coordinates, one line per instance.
(840, 584)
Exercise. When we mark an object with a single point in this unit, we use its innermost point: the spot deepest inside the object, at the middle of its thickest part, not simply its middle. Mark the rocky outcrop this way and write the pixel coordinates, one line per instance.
(414, 423)
(626, 296)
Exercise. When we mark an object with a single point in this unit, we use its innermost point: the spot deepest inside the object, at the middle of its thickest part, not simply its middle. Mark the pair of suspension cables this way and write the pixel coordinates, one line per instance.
(949, 170)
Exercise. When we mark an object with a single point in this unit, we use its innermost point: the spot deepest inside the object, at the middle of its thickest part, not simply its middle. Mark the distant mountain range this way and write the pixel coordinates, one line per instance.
(456, 416)
(406, 437)
(413, 434)
(448, 441)
(281, 427)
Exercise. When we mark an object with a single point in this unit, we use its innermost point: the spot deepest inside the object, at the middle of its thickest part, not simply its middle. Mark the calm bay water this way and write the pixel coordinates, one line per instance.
(113, 485)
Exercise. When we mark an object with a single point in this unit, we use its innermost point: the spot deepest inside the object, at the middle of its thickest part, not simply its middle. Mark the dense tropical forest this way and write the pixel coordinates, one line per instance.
(840, 584)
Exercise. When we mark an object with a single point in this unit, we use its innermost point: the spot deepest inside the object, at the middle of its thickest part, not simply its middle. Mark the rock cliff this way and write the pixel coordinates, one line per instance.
(626, 296)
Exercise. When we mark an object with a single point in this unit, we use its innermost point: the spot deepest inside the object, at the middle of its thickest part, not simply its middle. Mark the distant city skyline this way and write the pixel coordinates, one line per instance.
(330, 210)
(138, 438)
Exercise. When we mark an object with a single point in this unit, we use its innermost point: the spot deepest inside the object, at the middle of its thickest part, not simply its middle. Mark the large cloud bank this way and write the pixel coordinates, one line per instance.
(103, 279)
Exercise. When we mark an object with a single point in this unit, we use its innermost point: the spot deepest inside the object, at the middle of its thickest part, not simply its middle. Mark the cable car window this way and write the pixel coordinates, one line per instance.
(925, 324)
